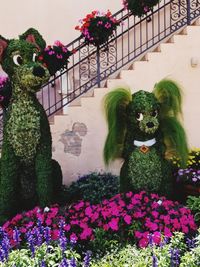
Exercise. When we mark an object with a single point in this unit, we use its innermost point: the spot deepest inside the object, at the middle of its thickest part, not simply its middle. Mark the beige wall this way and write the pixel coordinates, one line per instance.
(54, 19)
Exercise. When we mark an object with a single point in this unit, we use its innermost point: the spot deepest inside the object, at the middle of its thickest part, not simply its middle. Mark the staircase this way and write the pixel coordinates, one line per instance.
(79, 134)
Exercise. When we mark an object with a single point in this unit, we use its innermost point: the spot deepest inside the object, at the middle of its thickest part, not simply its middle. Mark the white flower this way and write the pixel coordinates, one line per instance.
(159, 202)
(46, 209)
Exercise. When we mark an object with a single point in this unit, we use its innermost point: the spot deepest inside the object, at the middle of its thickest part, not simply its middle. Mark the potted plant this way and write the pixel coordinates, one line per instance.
(55, 57)
(97, 27)
(189, 178)
(140, 7)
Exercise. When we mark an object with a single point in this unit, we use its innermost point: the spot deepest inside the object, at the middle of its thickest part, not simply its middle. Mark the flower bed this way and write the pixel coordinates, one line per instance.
(97, 27)
(131, 217)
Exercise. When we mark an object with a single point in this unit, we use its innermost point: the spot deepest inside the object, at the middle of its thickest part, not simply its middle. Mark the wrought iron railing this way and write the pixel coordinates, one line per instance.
(90, 66)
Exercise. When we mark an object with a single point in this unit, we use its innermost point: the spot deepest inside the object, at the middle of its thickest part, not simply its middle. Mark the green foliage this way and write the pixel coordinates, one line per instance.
(142, 165)
(169, 96)
(50, 255)
(130, 255)
(93, 187)
(37, 37)
(115, 107)
(194, 204)
(192, 257)
(142, 118)
(26, 164)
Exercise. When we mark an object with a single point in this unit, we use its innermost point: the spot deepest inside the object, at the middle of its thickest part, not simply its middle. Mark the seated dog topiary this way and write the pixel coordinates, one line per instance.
(143, 128)
(29, 176)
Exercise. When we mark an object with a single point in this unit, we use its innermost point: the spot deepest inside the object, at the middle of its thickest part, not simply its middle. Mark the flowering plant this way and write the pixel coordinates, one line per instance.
(5, 91)
(140, 7)
(55, 57)
(191, 174)
(154, 215)
(97, 27)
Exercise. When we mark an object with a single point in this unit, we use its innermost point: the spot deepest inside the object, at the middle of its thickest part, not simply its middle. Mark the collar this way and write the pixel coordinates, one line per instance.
(147, 143)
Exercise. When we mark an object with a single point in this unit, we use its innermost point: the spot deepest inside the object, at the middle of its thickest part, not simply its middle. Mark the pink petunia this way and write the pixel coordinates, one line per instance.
(128, 219)
(114, 224)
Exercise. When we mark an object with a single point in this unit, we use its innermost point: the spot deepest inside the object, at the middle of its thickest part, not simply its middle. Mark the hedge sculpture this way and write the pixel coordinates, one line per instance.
(143, 128)
(29, 176)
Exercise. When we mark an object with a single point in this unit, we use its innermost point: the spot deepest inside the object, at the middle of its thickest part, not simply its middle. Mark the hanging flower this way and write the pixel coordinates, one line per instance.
(5, 91)
(97, 27)
(140, 7)
(55, 57)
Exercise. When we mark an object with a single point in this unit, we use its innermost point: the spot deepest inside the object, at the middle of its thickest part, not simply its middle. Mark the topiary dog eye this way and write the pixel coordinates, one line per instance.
(154, 113)
(17, 59)
(139, 116)
(34, 57)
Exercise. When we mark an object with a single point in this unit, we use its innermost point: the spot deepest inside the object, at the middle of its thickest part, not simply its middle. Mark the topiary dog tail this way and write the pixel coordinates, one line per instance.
(169, 95)
(115, 104)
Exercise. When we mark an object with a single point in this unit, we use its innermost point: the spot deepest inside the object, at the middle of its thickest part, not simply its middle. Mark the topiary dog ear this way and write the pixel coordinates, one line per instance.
(115, 104)
(3, 45)
(169, 95)
(34, 37)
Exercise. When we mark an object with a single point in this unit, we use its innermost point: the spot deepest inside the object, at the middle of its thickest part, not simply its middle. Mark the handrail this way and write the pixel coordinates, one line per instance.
(90, 66)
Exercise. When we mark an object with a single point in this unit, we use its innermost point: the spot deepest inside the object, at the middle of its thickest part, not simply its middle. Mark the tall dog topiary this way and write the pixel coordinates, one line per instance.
(29, 176)
(143, 128)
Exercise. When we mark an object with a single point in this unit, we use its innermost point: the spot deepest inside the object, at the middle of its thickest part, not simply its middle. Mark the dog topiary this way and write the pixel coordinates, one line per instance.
(29, 176)
(142, 129)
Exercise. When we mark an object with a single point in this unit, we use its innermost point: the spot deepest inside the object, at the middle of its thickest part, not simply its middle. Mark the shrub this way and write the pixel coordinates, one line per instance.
(93, 187)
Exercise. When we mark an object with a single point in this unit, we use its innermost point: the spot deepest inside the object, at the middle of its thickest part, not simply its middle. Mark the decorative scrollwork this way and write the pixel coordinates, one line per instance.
(194, 9)
(95, 60)
(178, 9)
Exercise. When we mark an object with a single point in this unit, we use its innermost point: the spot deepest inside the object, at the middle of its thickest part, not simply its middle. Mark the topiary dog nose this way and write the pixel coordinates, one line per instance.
(38, 71)
(150, 124)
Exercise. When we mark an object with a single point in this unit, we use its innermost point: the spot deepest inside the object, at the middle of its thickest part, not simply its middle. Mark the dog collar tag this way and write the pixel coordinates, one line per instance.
(147, 143)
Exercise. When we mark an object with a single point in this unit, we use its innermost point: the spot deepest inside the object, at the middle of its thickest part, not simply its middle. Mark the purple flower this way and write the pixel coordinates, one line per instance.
(175, 257)
(30, 241)
(64, 263)
(43, 264)
(16, 236)
(154, 261)
(73, 262)
(87, 259)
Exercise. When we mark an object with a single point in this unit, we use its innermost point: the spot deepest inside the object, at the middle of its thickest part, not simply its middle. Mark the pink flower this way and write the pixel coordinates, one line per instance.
(156, 238)
(167, 232)
(73, 236)
(114, 224)
(87, 232)
(127, 219)
(55, 234)
(143, 243)
(48, 221)
(58, 43)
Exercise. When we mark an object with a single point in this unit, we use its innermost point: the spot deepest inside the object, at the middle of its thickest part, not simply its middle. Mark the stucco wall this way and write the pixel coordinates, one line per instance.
(54, 19)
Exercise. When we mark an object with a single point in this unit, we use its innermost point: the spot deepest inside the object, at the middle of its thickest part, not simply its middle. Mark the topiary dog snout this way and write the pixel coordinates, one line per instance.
(149, 125)
(38, 71)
